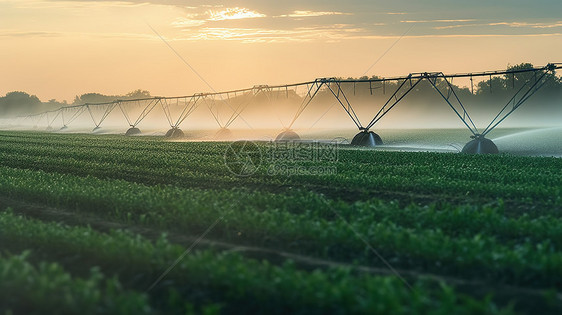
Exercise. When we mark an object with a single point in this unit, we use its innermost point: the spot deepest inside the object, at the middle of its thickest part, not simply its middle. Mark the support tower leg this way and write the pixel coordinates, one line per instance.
(175, 133)
(480, 145)
(133, 131)
(287, 135)
(224, 134)
(366, 138)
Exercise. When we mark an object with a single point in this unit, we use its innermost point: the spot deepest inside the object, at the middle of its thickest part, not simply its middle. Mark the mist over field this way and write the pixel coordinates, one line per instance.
(261, 114)
(274, 108)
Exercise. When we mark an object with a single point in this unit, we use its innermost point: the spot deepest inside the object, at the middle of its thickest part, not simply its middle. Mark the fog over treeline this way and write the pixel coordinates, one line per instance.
(483, 100)
(22, 103)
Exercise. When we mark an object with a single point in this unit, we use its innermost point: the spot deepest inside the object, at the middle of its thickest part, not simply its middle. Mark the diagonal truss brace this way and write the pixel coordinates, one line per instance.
(405, 87)
(344, 102)
(109, 108)
(313, 89)
(455, 103)
(78, 111)
(166, 109)
(190, 105)
(527, 90)
(146, 110)
(52, 120)
(38, 118)
(256, 90)
(401, 92)
(125, 114)
(210, 101)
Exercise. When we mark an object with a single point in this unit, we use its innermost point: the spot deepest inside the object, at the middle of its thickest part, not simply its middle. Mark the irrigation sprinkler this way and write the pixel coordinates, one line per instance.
(479, 143)
(366, 137)
(99, 112)
(147, 105)
(287, 135)
(243, 97)
(441, 83)
(312, 88)
(186, 104)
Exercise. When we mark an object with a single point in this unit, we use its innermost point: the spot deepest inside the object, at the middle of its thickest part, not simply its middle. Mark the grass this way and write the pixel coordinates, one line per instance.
(471, 234)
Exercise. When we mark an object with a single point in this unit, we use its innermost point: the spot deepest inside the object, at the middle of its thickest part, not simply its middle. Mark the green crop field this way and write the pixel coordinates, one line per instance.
(129, 225)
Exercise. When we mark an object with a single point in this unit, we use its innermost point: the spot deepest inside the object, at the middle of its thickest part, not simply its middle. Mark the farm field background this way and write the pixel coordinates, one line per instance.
(527, 141)
(106, 223)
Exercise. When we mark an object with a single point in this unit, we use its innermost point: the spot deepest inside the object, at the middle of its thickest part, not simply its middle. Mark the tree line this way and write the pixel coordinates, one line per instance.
(483, 92)
(22, 103)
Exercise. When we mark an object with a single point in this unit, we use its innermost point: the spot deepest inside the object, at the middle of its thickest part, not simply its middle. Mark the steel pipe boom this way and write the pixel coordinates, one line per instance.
(333, 85)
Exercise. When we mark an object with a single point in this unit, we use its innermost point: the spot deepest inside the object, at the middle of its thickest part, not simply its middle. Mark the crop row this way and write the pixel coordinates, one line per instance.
(525, 255)
(48, 288)
(359, 173)
(238, 284)
(146, 151)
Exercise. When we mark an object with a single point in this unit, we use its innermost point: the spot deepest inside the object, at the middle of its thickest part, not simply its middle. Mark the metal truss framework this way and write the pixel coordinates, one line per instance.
(522, 94)
(212, 99)
(148, 104)
(74, 111)
(106, 109)
(442, 84)
(187, 105)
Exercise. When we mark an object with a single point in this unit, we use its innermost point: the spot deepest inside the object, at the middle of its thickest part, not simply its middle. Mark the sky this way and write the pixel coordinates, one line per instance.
(60, 49)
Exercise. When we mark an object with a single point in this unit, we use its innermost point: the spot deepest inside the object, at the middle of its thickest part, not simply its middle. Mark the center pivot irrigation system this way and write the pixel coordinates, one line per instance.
(177, 109)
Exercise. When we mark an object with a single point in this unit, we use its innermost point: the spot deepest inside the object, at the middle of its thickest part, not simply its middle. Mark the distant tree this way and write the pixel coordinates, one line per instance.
(94, 98)
(54, 104)
(518, 79)
(15, 103)
(101, 98)
(497, 85)
(138, 94)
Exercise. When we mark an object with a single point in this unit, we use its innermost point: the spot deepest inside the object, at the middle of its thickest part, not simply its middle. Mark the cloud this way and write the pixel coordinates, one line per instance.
(332, 33)
(558, 24)
(68, 4)
(509, 24)
(192, 20)
(8, 33)
(455, 26)
(306, 13)
(335, 33)
(438, 21)
(39, 34)
(233, 14)
(485, 35)
(188, 21)
(525, 24)
(315, 13)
